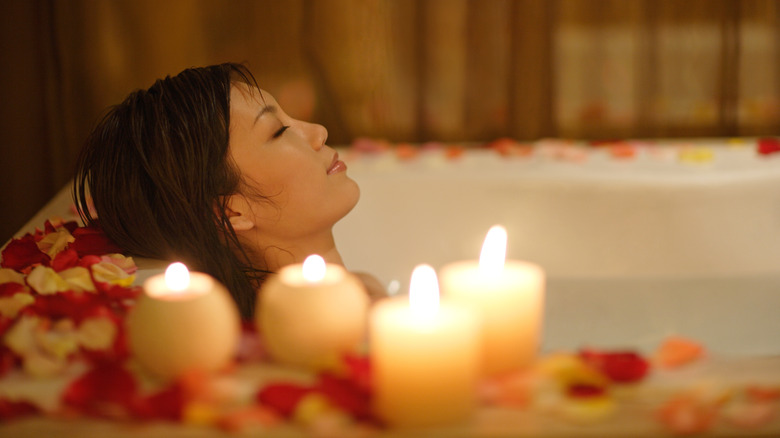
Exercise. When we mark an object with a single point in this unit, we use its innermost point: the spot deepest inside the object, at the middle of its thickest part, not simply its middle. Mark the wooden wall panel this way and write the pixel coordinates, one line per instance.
(404, 70)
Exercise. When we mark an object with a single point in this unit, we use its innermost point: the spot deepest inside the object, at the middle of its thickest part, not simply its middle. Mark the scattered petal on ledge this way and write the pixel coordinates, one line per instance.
(108, 272)
(23, 253)
(676, 351)
(46, 281)
(54, 242)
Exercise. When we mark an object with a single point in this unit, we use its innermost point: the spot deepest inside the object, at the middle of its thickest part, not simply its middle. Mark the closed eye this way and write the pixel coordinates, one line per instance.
(279, 133)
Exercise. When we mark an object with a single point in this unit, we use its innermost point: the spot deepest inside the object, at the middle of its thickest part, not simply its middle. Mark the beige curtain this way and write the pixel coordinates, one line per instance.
(405, 70)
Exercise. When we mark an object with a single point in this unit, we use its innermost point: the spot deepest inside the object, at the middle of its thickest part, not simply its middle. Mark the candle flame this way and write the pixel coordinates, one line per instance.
(177, 277)
(314, 268)
(493, 255)
(424, 292)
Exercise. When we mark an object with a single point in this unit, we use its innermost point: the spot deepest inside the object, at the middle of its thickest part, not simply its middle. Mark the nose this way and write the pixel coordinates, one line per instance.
(316, 134)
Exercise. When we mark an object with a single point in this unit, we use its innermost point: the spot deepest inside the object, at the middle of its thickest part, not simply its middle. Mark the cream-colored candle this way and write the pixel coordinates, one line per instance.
(309, 314)
(183, 321)
(425, 357)
(509, 295)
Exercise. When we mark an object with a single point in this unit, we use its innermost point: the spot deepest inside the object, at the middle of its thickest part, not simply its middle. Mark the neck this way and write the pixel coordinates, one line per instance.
(274, 255)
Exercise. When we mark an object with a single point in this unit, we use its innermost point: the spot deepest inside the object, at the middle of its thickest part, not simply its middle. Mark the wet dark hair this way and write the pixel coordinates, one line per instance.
(159, 173)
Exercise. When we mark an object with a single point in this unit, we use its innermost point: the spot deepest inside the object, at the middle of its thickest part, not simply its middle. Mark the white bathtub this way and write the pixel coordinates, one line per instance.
(712, 270)
(630, 257)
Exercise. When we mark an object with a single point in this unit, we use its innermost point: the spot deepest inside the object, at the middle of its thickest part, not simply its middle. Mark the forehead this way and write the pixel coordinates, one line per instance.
(247, 96)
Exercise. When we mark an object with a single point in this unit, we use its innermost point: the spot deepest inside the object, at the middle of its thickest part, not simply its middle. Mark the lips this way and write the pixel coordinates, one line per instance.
(336, 165)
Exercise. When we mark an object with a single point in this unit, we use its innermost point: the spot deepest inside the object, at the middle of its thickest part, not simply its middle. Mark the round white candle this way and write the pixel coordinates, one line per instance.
(183, 321)
(310, 313)
(425, 357)
(509, 295)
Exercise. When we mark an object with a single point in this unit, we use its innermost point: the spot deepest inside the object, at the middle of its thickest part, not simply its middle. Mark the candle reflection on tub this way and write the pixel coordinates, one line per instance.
(508, 295)
(425, 356)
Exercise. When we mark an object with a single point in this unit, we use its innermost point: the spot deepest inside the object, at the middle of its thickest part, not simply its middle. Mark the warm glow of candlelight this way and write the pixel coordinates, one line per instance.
(314, 268)
(493, 255)
(177, 277)
(424, 293)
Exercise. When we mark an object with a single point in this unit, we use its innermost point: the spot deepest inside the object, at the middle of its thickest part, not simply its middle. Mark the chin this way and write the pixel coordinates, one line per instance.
(354, 196)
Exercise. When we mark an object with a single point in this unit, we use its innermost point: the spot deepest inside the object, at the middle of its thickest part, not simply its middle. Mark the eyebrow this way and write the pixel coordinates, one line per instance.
(266, 109)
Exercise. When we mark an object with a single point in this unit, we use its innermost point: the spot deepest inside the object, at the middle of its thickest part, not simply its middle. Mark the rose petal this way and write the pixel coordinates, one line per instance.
(92, 241)
(768, 145)
(105, 390)
(54, 242)
(40, 365)
(763, 393)
(11, 409)
(11, 289)
(344, 394)
(359, 371)
(283, 397)
(586, 391)
(618, 366)
(240, 420)
(45, 281)
(10, 276)
(58, 341)
(97, 333)
(66, 304)
(22, 253)
(20, 337)
(10, 306)
(64, 260)
(89, 260)
(110, 273)
(78, 279)
(166, 404)
(8, 360)
(749, 414)
(677, 351)
(127, 264)
(686, 414)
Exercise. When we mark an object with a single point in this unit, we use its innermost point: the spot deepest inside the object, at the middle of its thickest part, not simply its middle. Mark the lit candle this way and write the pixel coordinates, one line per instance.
(425, 357)
(183, 321)
(509, 296)
(310, 313)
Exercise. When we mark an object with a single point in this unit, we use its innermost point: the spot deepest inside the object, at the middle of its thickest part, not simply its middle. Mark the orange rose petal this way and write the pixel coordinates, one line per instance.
(750, 414)
(677, 351)
(686, 414)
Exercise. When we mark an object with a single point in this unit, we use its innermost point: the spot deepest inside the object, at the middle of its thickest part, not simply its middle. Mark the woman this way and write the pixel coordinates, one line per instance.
(206, 168)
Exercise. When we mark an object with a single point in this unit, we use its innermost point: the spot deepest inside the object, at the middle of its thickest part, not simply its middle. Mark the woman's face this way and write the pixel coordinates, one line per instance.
(286, 161)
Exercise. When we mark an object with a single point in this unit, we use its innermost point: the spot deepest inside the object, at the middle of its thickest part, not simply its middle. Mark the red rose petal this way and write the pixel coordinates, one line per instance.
(65, 259)
(359, 371)
(117, 292)
(67, 304)
(619, 366)
(768, 145)
(92, 241)
(89, 260)
(10, 410)
(9, 289)
(101, 390)
(22, 253)
(8, 359)
(582, 390)
(167, 404)
(70, 226)
(283, 397)
(346, 395)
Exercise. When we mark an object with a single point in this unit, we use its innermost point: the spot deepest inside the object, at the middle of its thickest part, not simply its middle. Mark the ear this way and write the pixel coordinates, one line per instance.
(239, 213)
